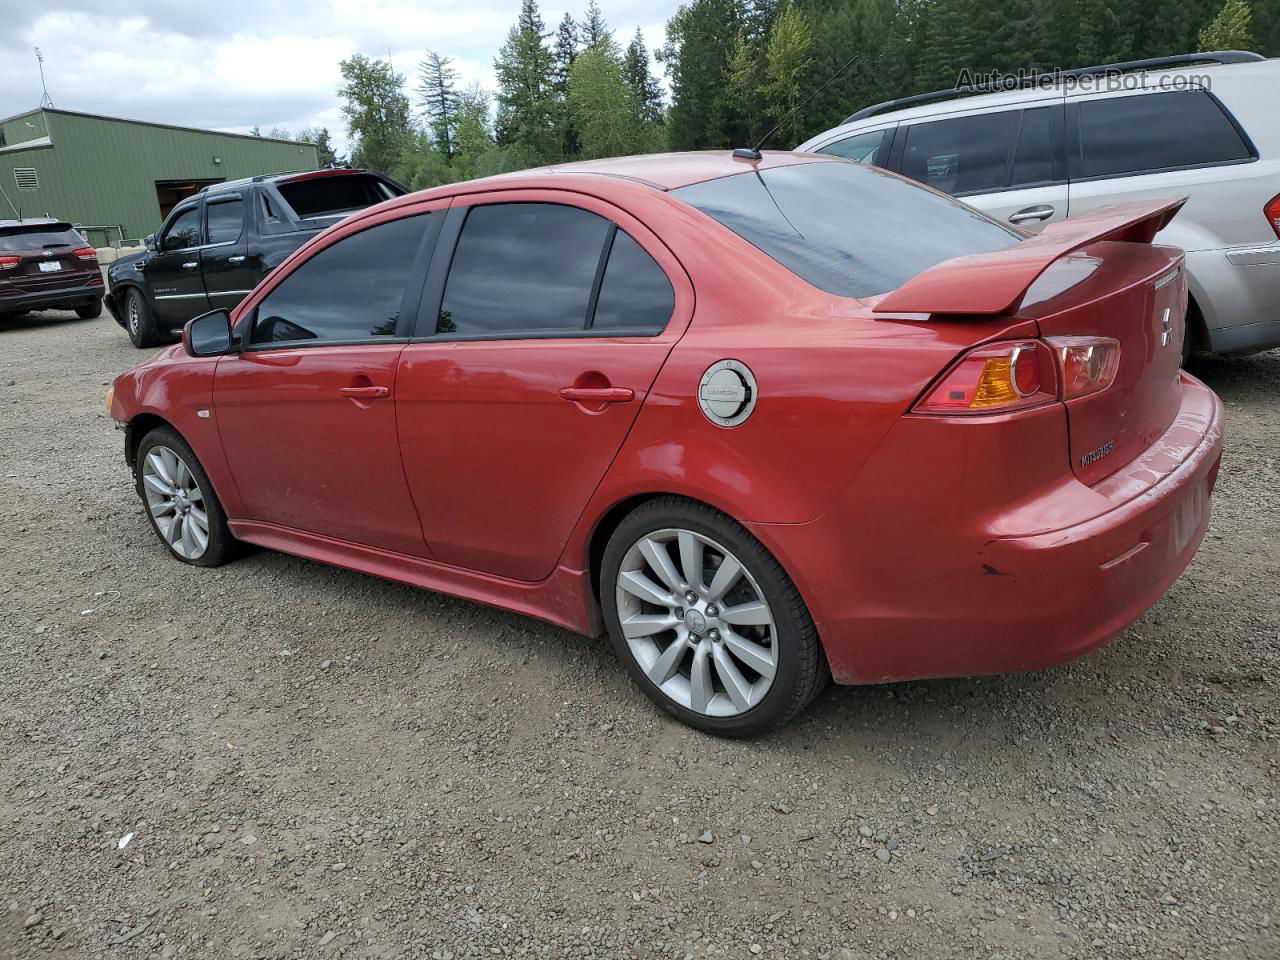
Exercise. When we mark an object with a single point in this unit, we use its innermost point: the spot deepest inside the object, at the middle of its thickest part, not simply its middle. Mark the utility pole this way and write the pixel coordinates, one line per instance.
(46, 101)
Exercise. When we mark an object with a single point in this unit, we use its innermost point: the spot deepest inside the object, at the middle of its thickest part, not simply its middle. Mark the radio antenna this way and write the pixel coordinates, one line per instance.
(754, 152)
(46, 101)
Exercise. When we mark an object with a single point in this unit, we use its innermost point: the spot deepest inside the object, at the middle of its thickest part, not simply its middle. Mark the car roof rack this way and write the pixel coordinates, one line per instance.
(1151, 63)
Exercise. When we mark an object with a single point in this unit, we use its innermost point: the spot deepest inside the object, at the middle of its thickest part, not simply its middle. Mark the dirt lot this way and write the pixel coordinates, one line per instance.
(315, 763)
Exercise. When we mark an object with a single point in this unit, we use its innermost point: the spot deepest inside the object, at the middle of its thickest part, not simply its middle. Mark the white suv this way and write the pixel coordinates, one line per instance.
(1205, 125)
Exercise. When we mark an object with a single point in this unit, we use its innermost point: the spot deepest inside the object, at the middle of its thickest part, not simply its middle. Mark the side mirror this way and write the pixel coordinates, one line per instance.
(208, 335)
(150, 242)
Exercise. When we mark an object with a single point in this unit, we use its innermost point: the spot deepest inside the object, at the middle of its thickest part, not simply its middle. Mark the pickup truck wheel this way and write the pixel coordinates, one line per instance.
(91, 311)
(139, 322)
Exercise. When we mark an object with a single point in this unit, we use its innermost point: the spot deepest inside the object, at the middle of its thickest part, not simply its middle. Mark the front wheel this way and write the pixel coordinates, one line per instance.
(139, 321)
(184, 511)
(706, 621)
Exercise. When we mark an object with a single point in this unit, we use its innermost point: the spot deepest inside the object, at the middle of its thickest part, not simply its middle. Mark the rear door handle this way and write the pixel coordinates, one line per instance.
(191, 265)
(235, 259)
(365, 393)
(1042, 211)
(598, 394)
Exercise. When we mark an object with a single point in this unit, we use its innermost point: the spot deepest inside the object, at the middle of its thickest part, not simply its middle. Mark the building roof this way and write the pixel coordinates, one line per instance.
(150, 123)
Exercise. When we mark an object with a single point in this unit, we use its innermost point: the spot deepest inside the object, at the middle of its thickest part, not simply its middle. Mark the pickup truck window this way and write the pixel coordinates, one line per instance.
(224, 221)
(184, 231)
(331, 195)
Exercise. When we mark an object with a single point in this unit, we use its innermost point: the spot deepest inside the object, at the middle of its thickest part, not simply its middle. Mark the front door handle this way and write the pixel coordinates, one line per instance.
(238, 259)
(191, 265)
(598, 394)
(1041, 211)
(365, 393)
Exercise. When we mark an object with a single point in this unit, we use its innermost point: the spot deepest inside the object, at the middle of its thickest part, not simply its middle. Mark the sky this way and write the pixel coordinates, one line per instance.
(232, 65)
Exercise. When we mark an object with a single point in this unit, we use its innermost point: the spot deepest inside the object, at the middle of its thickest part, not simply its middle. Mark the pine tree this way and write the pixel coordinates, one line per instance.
(439, 99)
(700, 42)
(324, 144)
(1102, 37)
(1229, 29)
(605, 110)
(595, 30)
(787, 60)
(473, 139)
(742, 85)
(377, 111)
(564, 53)
(526, 119)
(645, 87)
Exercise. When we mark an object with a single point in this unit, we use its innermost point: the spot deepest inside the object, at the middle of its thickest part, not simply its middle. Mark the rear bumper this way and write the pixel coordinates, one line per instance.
(63, 297)
(967, 598)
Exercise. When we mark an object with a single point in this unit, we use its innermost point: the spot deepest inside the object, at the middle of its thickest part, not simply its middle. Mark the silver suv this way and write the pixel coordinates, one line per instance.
(1203, 125)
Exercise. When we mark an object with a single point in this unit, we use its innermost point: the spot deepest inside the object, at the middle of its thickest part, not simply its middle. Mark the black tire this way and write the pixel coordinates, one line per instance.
(91, 311)
(221, 545)
(139, 321)
(801, 670)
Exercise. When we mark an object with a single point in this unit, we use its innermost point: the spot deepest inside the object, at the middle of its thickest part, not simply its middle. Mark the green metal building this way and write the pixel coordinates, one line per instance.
(117, 179)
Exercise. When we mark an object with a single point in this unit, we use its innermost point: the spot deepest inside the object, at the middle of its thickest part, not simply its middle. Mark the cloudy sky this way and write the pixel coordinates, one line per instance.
(233, 64)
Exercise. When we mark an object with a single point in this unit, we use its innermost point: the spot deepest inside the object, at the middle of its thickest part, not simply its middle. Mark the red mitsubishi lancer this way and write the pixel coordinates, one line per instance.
(764, 420)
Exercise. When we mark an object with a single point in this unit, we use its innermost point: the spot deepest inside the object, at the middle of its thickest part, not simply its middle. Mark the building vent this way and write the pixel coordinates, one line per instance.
(25, 178)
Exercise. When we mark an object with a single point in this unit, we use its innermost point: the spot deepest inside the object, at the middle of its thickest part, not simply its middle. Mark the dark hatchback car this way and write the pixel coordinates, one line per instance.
(46, 265)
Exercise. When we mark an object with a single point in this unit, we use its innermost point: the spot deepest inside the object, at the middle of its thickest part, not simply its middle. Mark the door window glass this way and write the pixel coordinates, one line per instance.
(522, 268)
(635, 294)
(224, 221)
(183, 232)
(963, 155)
(1033, 159)
(862, 147)
(1154, 131)
(350, 290)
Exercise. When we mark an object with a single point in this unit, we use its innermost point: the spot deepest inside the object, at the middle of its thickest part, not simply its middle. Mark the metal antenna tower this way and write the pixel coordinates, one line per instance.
(46, 101)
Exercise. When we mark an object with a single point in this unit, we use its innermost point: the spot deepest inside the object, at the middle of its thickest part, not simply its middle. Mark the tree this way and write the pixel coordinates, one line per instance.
(473, 139)
(701, 38)
(595, 30)
(644, 86)
(787, 61)
(324, 144)
(376, 110)
(422, 162)
(526, 97)
(606, 112)
(564, 53)
(439, 99)
(1229, 30)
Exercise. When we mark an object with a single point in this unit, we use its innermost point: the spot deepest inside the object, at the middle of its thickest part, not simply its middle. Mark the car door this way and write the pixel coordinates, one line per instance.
(173, 270)
(306, 409)
(1008, 163)
(228, 276)
(545, 321)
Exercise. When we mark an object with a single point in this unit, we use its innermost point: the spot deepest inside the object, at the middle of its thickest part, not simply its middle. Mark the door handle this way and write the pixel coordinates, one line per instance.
(191, 265)
(598, 394)
(239, 259)
(365, 393)
(1042, 211)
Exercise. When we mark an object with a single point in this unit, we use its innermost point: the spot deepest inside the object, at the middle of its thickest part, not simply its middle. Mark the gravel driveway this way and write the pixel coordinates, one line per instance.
(281, 759)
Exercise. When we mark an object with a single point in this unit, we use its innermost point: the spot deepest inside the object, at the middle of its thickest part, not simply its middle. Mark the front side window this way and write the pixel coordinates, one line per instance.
(522, 268)
(350, 290)
(847, 228)
(962, 155)
(1154, 131)
(861, 147)
(184, 231)
(224, 221)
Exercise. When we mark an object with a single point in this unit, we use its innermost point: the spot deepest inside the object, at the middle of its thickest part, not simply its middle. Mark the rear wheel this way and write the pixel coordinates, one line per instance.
(91, 311)
(707, 622)
(184, 511)
(139, 321)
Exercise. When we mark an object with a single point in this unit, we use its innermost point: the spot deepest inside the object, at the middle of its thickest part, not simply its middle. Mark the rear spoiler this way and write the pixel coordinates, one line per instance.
(996, 282)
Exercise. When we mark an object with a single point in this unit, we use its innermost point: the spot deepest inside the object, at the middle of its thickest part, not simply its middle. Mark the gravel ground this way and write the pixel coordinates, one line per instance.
(280, 759)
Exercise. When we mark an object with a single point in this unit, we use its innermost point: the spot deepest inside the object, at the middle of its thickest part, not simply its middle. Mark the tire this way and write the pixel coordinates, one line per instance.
(693, 534)
(169, 474)
(90, 312)
(139, 321)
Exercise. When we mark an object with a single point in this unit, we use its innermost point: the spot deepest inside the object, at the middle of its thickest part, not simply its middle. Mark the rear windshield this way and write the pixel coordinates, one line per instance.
(39, 237)
(335, 195)
(846, 228)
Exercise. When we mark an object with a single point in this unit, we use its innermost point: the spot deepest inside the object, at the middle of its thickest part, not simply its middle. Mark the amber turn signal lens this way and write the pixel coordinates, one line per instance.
(994, 379)
(111, 395)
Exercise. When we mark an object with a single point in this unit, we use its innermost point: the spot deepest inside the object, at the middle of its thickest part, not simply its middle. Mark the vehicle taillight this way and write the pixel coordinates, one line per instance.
(87, 253)
(1086, 364)
(8, 263)
(996, 378)
(1272, 210)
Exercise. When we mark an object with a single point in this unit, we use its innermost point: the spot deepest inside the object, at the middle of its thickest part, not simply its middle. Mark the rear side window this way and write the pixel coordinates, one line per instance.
(963, 155)
(39, 237)
(635, 294)
(861, 148)
(333, 195)
(1033, 155)
(846, 228)
(522, 268)
(224, 221)
(350, 290)
(1155, 131)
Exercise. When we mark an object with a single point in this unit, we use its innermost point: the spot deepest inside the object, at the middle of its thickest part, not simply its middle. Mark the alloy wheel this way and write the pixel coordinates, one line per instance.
(697, 622)
(133, 315)
(177, 506)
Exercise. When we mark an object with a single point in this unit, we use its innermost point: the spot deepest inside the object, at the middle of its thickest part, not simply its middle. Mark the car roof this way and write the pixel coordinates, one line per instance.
(670, 171)
(33, 222)
(287, 176)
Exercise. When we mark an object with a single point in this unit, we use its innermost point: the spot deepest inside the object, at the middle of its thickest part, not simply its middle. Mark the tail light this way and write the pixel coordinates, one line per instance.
(87, 253)
(1272, 210)
(996, 378)
(8, 263)
(1018, 374)
(1087, 364)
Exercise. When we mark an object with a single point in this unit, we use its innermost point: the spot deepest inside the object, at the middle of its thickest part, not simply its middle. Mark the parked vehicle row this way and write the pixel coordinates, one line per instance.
(678, 398)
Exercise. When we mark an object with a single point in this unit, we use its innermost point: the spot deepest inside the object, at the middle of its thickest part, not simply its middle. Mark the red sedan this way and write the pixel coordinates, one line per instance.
(765, 421)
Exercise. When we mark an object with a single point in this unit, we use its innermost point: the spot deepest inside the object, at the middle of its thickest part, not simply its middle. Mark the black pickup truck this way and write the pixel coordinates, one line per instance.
(215, 247)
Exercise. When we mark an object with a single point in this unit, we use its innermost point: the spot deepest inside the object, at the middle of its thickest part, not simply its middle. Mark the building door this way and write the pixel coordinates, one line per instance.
(170, 193)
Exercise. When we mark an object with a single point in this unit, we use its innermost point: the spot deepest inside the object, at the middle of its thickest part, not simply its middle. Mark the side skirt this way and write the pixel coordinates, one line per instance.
(563, 598)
